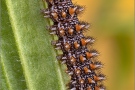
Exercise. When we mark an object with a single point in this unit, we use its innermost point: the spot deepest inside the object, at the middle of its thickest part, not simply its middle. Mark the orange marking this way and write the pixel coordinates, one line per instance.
(67, 46)
(86, 69)
(73, 60)
(81, 81)
(70, 31)
(55, 15)
(78, 27)
(83, 42)
(51, 1)
(72, 11)
(89, 55)
(63, 14)
(76, 45)
(92, 66)
(90, 80)
(77, 71)
(89, 88)
(96, 78)
(97, 88)
(62, 32)
(82, 58)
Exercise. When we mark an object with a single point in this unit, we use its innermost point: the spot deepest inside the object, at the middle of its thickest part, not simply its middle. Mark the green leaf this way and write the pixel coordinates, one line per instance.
(28, 60)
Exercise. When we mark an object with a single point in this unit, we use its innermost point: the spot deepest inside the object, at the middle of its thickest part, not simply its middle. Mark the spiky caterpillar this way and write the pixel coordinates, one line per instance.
(80, 61)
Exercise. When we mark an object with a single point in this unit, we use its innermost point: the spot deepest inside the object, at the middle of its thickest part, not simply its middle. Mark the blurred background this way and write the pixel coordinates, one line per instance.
(112, 25)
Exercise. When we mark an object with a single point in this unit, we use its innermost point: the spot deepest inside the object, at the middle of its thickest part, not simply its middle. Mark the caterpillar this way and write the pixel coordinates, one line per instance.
(81, 62)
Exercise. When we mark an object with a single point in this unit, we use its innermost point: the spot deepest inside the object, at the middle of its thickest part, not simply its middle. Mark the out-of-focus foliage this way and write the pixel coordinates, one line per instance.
(113, 27)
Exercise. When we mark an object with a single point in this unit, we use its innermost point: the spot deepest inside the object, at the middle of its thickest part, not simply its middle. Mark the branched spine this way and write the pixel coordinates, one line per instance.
(80, 61)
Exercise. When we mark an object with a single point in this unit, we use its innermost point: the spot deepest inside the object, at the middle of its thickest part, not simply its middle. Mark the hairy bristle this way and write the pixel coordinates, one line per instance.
(80, 61)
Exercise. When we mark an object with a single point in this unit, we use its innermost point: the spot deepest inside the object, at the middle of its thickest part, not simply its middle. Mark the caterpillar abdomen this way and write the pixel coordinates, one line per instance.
(80, 61)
